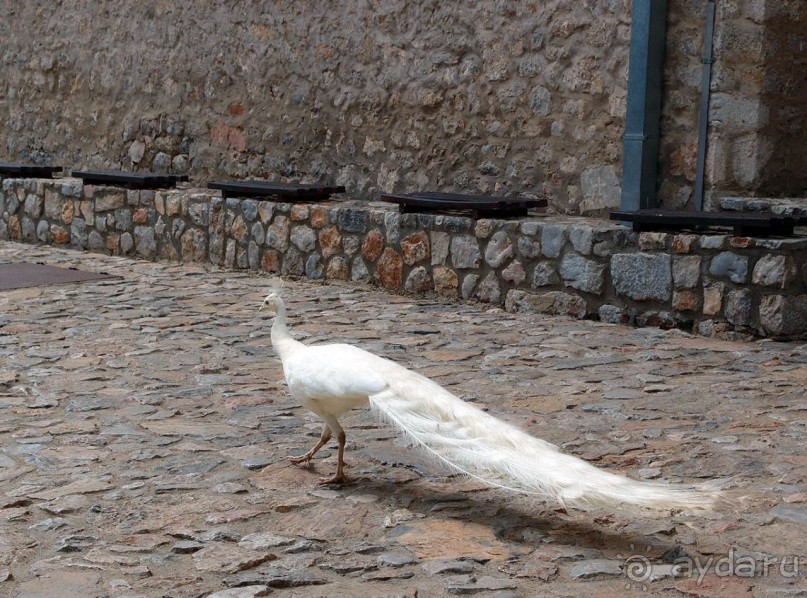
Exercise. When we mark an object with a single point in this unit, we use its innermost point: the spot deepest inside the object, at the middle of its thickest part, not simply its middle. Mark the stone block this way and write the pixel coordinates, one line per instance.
(418, 281)
(313, 267)
(642, 276)
(601, 189)
(552, 240)
(582, 274)
(465, 252)
(270, 262)
(303, 237)
(514, 273)
(713, 298)
(389, 269)
(359, 271)
(730, 265)
(553, 302)
(483, 228)
(145, 242)
(581, 239)
(686, 271)
(774, 271)
(499, 249)
(468, 285)
(194, 245)
(782, 316)
(440, 244)
(686, 300)
(489, 290)
(330, 241)
(373, 245)
(738, 307)
(445, 281)
(53, 204)
(684, 243)
(415, 248)
(648, 241)
(239, 230)
(258, 233)
(352, 221)
(529, 248)
(110, 200)
(544, 274)
(277, 233)
(612, 314)
(253, 255)
(299, 213)
(34, 204)
(249, 209)
(713, 241)
(337, 269)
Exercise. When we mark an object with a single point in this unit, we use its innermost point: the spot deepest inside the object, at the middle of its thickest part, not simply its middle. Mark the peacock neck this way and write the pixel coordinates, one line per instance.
(282, 341)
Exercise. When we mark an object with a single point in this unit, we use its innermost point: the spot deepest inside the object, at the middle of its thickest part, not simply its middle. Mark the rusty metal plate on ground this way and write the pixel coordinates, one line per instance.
(21, 275)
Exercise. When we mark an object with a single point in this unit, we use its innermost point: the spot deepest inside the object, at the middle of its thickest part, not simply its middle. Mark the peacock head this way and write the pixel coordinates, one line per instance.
(271, 302)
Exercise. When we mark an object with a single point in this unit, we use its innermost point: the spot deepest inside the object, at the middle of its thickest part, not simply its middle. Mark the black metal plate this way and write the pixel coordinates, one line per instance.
(758, 223)
(479, 205)
(14, 169)
(130, 180)
(269, 189)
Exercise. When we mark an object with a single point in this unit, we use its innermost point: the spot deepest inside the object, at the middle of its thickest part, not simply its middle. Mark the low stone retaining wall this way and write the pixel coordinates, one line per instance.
(714, 284)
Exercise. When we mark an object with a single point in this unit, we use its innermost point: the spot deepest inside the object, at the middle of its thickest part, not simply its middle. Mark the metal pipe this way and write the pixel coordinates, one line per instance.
(703, 118)
(643, 113)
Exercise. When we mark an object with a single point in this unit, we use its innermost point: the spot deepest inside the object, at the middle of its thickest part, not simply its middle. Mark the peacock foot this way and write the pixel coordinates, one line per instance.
(304, 459)
(337, 478)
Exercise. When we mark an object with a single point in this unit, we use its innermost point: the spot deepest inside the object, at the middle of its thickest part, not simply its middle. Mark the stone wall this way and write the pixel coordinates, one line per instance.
(495, 97)
(759, 100)
(714, 284)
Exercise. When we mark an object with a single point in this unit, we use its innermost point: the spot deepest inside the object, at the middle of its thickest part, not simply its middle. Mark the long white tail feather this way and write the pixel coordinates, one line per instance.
(479, 445)
(329, 380)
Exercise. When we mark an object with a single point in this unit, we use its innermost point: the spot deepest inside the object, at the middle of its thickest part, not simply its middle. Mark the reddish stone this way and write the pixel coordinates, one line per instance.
(415, 248)
(337, 269)
(686, 300)
(445, 281)
(140, 216)
(235, 109)
(239, 230)
(59, 234)
(299, 213)
(68, 211)
(14, 228)
(112, 243)
(683, 243)
(684, 160)
(390, 269)
(330, 241)
(741, 242)
(231, 137)
(372, 246)
(319, 217)
(194, 245)
(270, 261)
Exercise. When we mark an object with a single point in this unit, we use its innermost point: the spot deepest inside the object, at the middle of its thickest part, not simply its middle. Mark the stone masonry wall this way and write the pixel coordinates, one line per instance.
(715, 284)
(493, 97)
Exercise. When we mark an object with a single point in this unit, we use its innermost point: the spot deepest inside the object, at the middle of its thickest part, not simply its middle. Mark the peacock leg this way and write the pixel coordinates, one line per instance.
(339, 476)
(323, 439)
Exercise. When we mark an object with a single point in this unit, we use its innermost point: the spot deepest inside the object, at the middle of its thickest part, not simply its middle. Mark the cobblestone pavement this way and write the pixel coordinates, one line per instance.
(144, 426)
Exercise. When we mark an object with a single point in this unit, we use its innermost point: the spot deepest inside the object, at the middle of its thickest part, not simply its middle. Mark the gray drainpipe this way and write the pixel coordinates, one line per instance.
(703, 117)
(643, 116)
